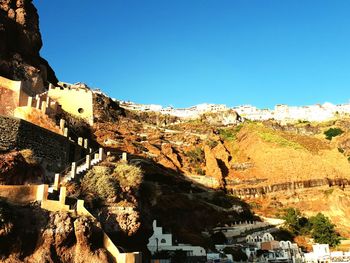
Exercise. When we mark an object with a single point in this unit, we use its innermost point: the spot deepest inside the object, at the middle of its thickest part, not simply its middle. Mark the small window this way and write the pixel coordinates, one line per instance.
(81, 110)
(163, 241)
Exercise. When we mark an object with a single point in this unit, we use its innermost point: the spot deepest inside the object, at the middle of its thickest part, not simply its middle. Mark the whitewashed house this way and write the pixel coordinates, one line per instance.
(164, 242)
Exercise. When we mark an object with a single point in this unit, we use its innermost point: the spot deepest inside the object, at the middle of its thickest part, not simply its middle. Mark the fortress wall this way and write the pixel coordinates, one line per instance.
(76, 101)
(54, 149)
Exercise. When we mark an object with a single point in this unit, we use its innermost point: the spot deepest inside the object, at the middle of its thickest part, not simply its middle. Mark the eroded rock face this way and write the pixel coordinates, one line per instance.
(20, 45)
(168, 151)
(211, 164)
(67, 239)
(105, 109)
(15, 170)
(222, 154)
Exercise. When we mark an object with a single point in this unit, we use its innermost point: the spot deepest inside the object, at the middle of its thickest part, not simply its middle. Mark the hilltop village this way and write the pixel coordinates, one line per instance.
(281, 113)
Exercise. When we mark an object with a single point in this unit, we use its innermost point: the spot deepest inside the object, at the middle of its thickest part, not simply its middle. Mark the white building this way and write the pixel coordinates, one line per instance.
(276, 251)
(160, 241)
(320, 254)
(281, 112)
(287, 113)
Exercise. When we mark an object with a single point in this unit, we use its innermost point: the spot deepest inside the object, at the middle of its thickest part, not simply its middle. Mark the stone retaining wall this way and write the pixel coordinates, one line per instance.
(55, 150)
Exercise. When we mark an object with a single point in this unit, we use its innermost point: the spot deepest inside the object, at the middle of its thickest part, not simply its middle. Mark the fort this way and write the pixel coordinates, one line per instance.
(52, 144)
(76, 99)
(54, 147)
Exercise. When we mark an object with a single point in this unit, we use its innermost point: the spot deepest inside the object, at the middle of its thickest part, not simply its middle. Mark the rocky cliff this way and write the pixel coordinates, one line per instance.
(20, 43)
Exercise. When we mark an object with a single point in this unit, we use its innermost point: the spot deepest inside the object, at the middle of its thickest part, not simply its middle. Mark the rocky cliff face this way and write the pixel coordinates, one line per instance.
(20, 43)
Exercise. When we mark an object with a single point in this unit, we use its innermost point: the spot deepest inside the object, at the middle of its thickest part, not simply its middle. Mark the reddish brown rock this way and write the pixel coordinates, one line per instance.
(152, 149)
(169, 152)
(66, 239)
(166, 162)
(21, 43)
(222, 154)
(211, 164)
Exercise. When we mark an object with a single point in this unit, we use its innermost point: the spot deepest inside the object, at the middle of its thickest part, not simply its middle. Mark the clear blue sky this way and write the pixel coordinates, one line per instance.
(185, 52)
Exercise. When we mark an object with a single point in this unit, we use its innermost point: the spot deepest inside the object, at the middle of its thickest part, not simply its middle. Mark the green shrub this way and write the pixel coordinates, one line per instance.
(212, 143)
(272, 137)
(333, 132)
(230, 133)
(200, 171)
(98, 181)
(237, 254)
(196, 155)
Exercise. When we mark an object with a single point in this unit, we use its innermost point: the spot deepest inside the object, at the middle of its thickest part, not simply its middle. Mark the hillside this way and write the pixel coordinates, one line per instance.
(288, 160)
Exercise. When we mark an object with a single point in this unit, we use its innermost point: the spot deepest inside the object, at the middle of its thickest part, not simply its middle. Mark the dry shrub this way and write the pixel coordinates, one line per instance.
(29, 157)
(128, 175)
(98, 181)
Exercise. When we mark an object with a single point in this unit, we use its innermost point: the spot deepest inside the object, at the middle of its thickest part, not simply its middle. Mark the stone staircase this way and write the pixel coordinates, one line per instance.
(75, 170)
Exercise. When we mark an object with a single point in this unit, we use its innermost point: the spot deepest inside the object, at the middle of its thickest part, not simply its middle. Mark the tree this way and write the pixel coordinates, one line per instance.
(296, 223)
(323, 230)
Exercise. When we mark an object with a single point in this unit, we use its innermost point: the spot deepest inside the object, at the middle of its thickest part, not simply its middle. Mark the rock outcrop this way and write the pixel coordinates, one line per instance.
(20, 45)
(30, 234)
(16, 170)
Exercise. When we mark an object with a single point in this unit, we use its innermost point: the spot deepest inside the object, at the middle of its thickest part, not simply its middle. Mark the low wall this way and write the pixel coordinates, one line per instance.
(56, 150)
(207, 181)
(20, 194)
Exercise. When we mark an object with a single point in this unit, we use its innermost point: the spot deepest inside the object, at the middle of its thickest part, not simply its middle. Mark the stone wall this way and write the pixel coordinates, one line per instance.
(8, 133)
(55, 151)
